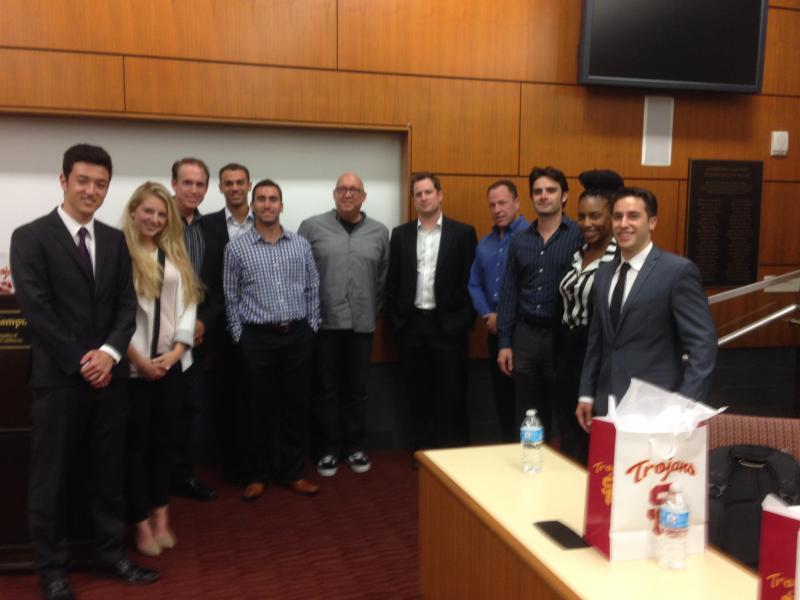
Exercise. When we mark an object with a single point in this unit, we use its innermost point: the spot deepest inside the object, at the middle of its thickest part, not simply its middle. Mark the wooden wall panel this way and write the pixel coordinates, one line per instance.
(792, 4)
(459, 126)
(60, 80)
(535, 40)
(734, 127)
(779, 236)
(287, 32)
(782, 49)
(578, 128)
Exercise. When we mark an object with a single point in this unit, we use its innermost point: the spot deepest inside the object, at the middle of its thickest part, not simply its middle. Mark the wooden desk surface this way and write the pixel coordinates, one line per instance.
(490, 481)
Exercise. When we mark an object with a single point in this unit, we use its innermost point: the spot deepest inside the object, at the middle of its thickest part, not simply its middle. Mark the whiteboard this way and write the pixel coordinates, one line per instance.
(304, 162)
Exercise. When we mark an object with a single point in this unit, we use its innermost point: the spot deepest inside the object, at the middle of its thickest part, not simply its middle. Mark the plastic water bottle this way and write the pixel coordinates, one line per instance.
(531, 435)
(674, 521)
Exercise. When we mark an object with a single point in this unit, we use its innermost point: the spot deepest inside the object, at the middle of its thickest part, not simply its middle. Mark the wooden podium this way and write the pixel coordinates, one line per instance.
(16, 552)
(15, 437)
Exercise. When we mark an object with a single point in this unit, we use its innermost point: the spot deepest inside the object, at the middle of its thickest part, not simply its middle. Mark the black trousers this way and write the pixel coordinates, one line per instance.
(340, 403)
(230, 407)
(69, 423)
(190, 408)
(534, 373)
(434, 369)
(504, 399)
(278, 366)
(570, 350)
(152, 422)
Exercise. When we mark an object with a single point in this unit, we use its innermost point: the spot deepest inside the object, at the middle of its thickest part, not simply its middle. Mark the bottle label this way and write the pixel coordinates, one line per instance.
(531, 435)
(674, 520)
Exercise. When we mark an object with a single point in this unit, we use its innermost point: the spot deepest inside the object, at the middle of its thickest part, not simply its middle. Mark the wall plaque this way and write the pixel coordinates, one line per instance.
(723, 222)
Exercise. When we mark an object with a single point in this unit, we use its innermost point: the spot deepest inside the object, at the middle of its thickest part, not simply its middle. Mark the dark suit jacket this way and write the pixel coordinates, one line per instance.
(211, 310)
(454, 312)
(67, 315)
(665, 316)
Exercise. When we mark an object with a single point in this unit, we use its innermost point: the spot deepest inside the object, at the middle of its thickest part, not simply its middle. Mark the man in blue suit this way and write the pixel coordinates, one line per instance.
(650, 310)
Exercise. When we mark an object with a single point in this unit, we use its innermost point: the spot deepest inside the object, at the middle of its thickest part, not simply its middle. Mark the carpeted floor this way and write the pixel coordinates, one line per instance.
(356, 539)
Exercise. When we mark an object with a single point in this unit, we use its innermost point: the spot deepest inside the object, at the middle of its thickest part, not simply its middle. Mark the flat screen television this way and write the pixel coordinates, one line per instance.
(713, 45)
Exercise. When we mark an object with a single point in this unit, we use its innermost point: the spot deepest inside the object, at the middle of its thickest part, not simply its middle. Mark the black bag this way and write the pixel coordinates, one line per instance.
(739, 478)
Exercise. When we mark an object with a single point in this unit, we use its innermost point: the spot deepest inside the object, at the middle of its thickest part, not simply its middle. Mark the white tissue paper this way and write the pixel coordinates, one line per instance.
(647, 408)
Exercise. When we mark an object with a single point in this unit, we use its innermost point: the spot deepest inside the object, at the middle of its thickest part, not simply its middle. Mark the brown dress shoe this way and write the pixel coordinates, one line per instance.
(253, 491)
(304, 487)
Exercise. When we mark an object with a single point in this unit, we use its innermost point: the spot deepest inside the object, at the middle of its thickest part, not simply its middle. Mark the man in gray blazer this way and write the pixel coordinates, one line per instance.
(650, 310)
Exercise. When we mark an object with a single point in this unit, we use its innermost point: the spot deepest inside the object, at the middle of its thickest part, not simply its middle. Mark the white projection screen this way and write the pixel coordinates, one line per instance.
(304, 162)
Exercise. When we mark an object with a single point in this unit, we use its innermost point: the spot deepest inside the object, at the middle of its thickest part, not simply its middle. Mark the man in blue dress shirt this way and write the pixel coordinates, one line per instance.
(538, 257)
(271, 288)
(485, 280)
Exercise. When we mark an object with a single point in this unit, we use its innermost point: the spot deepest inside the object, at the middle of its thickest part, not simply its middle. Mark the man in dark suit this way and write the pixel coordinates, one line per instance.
(650, 310)
(190, 183)
(73, 280)
(431, 313)
(227, 373)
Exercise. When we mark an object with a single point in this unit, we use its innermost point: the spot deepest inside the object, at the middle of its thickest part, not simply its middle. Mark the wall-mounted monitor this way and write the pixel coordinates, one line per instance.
(713, 45)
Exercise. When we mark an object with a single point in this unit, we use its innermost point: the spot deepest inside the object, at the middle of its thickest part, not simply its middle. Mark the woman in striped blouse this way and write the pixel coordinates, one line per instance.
(594, 220)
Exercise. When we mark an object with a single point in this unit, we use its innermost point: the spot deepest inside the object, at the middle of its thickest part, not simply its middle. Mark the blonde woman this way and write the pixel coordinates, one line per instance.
(167, 294)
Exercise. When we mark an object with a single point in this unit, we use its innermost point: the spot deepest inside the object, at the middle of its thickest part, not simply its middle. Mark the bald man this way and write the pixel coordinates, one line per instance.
(352, 255)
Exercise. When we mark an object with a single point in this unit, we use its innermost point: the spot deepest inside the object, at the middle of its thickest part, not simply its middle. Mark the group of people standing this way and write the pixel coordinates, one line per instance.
(574, 310)
(131, 329)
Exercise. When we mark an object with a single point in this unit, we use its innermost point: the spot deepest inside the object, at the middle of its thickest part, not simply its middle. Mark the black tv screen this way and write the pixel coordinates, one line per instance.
(675, 44)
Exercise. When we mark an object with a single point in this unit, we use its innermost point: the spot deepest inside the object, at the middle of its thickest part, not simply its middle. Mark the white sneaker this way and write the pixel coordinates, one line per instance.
(359, 462)
(328, 465)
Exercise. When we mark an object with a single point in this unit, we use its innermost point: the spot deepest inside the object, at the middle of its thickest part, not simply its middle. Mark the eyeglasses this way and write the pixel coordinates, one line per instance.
(348, 190)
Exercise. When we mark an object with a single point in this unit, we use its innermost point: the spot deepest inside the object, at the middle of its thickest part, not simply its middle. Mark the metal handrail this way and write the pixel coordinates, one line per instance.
(747, 289)
(753, 287)
(757, 324)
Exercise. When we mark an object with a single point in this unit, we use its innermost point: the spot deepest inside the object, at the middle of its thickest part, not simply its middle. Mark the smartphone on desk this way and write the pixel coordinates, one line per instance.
(561, 534)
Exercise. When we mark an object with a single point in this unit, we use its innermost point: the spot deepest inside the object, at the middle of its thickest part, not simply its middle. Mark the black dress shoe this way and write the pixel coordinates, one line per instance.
(194, 489)
(129, 572)
(236, 480)
(55, 588)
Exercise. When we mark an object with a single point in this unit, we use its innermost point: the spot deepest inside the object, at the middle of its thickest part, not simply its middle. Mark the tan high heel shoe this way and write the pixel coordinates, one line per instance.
(166, 541)
(152, 548)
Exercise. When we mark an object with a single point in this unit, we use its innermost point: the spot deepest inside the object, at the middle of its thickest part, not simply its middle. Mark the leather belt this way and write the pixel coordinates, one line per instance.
(538, 323)
(281, 328)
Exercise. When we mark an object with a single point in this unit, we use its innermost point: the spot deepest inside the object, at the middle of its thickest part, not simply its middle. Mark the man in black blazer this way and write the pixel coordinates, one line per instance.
(650, 310)
(73, 280)
(190, 183)
(431, 313)
(227, 375)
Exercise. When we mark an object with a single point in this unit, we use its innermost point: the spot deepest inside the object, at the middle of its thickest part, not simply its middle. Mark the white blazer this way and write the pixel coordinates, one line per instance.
(184, 330)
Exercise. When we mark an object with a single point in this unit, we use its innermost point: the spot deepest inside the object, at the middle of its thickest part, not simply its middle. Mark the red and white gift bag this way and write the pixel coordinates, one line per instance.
(653, 438)
(779, 559)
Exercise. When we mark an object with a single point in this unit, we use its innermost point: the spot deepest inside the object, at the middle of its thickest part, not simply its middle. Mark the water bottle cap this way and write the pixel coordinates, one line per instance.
(675, 487)
(530, 412)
